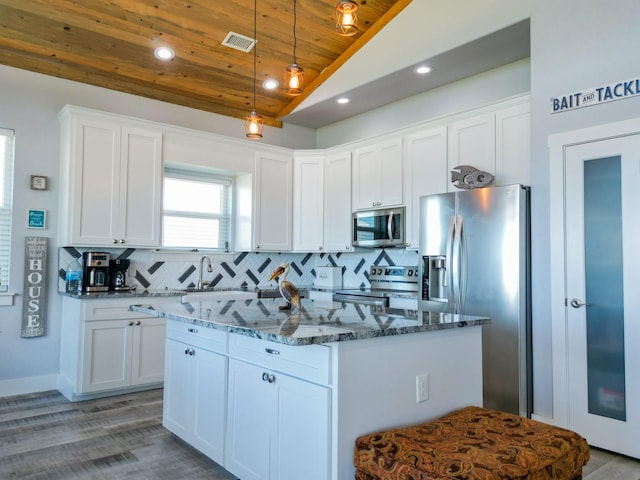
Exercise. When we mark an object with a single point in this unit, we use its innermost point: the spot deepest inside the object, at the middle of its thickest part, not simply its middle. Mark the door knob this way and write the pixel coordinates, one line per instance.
(576, 303)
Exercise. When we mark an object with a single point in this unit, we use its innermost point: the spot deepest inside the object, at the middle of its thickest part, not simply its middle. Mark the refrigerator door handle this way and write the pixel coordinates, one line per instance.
(448, 277)
(456, 260)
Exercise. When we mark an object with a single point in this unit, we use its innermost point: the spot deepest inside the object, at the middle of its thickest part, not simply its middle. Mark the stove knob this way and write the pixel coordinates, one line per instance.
(379, 271)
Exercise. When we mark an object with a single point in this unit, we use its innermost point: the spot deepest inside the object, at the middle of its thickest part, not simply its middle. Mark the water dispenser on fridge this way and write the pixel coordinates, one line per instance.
(434, 289)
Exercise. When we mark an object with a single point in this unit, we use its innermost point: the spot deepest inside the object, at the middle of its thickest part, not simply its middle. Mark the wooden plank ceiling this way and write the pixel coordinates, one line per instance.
(110, 43)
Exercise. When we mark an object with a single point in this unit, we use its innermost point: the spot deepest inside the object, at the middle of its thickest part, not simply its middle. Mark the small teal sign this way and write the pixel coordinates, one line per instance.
(37, 219)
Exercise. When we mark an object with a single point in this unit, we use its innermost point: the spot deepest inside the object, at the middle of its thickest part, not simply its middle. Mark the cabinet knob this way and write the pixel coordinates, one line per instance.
(272, 351)
(138, 322)
(268, 377)
(189, 351)
(121, 240)
(186, 351)
(115, 240)
(192, 330)
(131, 323)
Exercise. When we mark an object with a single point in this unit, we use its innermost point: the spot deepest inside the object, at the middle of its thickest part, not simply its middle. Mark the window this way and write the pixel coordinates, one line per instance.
(196, 210)
(6, 181)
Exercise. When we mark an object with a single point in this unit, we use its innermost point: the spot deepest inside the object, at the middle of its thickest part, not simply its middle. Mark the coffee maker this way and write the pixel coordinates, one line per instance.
(95, 277)
(118, 275)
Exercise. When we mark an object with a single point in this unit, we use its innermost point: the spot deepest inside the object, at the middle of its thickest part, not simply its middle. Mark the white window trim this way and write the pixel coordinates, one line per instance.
(6, 208)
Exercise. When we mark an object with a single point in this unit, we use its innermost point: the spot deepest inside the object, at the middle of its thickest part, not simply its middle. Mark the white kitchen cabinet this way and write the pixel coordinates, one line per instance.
(377, 175)
(322, 202)
(513, 145)
(195, 390)
(425, 166)
(497, 142)
(276, 392)
(273, 198)
(106, 348)
(111, 181)
(337, 202)
(472, 141)
(308, 205)
(122, 353)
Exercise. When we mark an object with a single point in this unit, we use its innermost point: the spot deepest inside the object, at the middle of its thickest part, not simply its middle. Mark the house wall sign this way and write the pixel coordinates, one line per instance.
(34, 306)
(596, 95)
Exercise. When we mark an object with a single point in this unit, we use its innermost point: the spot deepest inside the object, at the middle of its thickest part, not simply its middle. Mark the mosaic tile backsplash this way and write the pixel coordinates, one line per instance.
(158, 271)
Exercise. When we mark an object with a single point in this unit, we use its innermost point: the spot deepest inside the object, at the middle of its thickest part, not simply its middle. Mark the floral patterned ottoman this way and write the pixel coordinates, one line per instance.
(472, 444)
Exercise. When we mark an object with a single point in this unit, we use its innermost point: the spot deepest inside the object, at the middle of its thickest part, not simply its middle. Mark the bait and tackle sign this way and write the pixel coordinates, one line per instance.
(596, 95)
(34, 306)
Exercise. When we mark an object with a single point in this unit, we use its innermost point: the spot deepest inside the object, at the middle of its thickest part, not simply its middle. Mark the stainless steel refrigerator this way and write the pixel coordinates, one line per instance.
(475, 260)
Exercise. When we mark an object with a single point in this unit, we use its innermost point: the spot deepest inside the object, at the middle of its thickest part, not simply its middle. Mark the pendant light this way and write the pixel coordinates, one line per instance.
(253, 122)
(293, 76)
(347, 18)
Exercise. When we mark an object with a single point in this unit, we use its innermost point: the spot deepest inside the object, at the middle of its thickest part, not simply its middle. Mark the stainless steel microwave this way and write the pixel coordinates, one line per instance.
(379, 228)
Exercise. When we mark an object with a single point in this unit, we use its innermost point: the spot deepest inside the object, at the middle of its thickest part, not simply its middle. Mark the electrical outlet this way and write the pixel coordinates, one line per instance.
(422, 388)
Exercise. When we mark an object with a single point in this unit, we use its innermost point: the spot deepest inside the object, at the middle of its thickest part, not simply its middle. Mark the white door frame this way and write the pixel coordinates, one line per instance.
(558, 143)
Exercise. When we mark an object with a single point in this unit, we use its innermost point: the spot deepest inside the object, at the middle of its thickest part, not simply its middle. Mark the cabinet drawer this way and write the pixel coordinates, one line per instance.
(117, 308)
(198, 336)
(310, 362)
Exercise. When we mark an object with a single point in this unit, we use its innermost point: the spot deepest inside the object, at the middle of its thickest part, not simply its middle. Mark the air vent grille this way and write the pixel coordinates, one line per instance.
(239, 42)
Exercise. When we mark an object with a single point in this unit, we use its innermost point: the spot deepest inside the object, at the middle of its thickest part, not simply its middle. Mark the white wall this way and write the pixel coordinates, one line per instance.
(575, 44)
(485, 88)
(30, 103)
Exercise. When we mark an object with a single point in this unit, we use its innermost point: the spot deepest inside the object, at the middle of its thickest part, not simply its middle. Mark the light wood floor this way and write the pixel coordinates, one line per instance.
(44, 436)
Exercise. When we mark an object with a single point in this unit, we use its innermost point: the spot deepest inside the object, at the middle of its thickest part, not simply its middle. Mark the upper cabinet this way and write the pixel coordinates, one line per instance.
(496, 142)
(111, 181)
(273, 198)
(322, 202)
(473, 142)
(513, 145)
(308, 207)
(337, 202)
(425, 165)
(377, 175)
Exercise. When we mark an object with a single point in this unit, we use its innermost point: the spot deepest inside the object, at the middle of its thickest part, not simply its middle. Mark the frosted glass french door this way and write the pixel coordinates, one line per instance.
(602, 206)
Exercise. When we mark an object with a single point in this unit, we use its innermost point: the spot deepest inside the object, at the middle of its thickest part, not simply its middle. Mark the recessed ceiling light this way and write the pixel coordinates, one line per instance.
(343, 100)
(164, 53)
(270, 84)
(422, 69)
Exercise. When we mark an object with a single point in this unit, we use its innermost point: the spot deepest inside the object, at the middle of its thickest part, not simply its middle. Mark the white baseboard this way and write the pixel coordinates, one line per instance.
(20, 386)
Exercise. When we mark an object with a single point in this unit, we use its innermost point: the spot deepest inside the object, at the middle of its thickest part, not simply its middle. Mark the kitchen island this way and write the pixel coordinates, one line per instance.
(270, 393)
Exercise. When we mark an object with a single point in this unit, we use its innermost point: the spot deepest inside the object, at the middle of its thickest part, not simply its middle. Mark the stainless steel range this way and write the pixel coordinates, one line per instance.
(390, 287)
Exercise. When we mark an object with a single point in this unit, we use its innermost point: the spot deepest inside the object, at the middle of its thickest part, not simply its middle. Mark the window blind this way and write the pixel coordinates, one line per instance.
(6, 182)
(196, 210)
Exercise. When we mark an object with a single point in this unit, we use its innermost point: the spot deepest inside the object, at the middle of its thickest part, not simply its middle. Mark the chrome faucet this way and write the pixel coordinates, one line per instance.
(202, 283)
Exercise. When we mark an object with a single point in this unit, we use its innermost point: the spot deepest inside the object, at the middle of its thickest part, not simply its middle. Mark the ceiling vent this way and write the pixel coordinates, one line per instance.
(239, 42)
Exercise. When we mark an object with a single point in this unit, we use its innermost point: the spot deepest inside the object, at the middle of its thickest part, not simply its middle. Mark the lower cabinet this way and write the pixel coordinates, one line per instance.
(195, 397)
(122, 353)
(105, 348)
(278, 426)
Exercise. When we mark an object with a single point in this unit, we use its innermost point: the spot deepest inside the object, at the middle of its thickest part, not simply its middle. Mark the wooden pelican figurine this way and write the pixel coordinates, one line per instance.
(287, 289)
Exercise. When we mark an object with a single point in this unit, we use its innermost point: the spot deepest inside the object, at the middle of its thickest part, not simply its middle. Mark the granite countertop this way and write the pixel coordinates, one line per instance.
(317, 322)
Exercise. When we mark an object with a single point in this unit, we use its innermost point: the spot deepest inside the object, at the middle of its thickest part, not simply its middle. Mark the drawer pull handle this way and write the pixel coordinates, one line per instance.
(272, 351)
(268, 377)
(193, 330)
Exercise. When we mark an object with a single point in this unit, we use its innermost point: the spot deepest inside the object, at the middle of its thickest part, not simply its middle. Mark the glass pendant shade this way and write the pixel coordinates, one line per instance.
(254, 125)
(294, 79)
(347, 18)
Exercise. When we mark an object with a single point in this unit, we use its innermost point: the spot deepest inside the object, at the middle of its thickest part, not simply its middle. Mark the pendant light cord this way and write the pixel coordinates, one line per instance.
(255, 48)
(294, 31)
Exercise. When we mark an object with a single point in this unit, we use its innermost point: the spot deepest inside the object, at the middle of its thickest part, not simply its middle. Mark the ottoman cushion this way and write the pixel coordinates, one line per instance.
(472, 444)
